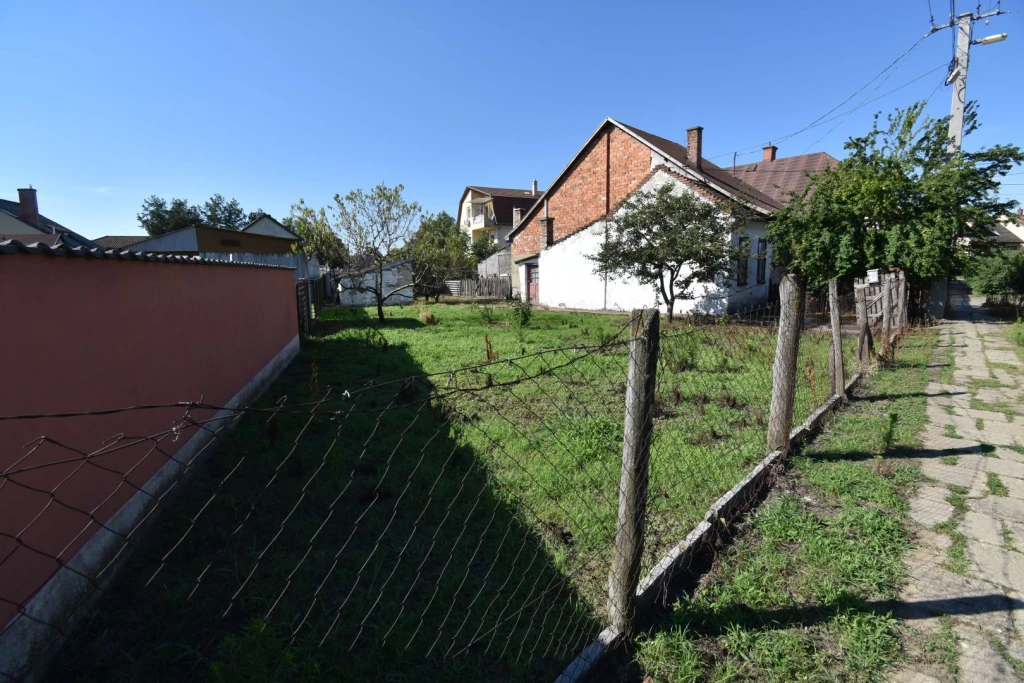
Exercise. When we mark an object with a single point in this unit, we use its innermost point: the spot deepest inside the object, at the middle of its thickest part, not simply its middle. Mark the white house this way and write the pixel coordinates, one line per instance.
(397, 276)
(552, 241)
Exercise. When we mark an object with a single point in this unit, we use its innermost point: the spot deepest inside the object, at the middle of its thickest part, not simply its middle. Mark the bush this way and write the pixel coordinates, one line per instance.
(428, 318)
(1016, 334)
(520, 313)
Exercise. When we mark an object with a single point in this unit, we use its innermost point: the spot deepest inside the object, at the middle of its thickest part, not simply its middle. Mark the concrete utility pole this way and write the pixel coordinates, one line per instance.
(958, 74)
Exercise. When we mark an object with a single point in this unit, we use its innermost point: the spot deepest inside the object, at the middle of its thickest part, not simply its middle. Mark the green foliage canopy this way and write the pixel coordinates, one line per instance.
(898, 200)
(671, 241)
(438, 252)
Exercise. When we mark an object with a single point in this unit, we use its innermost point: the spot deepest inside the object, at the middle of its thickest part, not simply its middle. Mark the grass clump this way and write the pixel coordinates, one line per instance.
(950, 432)
(995, 485)
(1016, 333)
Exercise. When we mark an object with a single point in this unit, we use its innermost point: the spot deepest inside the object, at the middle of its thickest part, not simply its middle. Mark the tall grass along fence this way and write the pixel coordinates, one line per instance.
(504, 521)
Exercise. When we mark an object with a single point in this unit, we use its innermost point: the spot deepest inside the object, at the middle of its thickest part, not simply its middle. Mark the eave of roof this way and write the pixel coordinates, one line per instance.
(8, 247)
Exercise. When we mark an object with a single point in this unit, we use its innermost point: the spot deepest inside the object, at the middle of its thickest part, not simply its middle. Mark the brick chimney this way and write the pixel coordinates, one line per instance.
(28, 205)
(769, 152)
(695, 145)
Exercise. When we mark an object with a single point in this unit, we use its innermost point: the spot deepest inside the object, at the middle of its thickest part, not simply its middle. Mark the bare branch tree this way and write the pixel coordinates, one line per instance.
(375, 226)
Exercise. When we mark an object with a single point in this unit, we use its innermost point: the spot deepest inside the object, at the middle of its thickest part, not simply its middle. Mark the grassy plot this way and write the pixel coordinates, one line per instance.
(802, 594)
(452, 526)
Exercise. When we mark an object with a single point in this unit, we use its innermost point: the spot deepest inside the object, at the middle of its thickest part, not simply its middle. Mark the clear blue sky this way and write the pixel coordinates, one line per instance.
(110, 102)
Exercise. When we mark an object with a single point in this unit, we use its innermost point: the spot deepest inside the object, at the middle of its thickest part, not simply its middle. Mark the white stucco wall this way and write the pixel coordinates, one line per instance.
(268, 226)
(567, 277)
(395, 275)
(9, 225)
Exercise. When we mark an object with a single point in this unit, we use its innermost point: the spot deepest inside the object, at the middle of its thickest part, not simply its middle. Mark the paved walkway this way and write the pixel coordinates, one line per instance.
(967, 560)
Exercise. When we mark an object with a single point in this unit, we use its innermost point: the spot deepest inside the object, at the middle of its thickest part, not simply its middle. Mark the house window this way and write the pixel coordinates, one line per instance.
(762, 259)
(742, 265)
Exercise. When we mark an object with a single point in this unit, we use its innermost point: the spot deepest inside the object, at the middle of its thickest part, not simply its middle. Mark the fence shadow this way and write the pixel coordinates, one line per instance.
(339, 539)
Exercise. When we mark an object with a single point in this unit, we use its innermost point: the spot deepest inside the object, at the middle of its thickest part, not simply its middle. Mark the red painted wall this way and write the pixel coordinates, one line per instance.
(81, 335)
(610, 168)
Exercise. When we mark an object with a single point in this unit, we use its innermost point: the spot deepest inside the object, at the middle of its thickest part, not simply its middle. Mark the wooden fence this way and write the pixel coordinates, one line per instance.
(494, 287)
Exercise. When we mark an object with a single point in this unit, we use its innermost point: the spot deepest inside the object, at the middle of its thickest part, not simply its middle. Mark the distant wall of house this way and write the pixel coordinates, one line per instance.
(83, 334)
(567, 278)
(9, 225)
(395, 275)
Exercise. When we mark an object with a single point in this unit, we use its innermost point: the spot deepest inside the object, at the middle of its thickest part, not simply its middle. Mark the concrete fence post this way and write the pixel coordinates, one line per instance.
(901, 302)
(838, 373)
(636, 454)
(865, 340)
(887, 311)
(792, 297)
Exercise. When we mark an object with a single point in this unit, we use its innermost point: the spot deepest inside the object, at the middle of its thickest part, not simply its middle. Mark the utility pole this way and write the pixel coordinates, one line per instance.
(964, 24)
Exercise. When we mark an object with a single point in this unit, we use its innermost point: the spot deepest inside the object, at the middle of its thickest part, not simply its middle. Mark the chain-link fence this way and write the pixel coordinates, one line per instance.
(489, 521)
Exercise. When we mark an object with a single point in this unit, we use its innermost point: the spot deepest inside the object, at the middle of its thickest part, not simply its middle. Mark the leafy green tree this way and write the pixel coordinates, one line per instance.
(438, 252)
(318, 237)
(159, 218)
(671, 241)
(483, 248)
(898, 200)
(376, 226)
(998, 275)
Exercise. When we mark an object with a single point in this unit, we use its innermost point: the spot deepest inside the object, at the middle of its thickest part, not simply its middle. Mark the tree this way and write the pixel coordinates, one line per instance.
(897, 201)
(318, 237)
(375, 226)
(159, 218)
(999, 275)
(222, 213)
(671, 241)
(438, 252)
(483, 248)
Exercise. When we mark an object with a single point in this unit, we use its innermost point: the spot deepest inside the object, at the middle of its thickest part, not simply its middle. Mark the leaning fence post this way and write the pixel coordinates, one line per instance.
(791, 320)
(636, 453)
(838, 375)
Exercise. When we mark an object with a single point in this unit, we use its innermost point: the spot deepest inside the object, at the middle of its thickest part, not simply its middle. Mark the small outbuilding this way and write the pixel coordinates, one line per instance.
(357, 287)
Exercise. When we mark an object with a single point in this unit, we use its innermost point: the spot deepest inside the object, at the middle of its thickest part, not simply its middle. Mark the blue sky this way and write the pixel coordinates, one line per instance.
(110, 102)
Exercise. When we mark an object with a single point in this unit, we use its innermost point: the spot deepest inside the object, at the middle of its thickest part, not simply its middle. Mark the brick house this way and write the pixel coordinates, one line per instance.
(568, 222)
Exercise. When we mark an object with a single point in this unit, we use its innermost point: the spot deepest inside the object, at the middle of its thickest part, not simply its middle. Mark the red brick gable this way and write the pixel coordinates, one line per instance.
(610, 168)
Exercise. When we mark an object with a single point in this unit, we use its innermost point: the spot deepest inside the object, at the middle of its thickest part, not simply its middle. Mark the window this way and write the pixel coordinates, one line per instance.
(742, 265)
(762, 259)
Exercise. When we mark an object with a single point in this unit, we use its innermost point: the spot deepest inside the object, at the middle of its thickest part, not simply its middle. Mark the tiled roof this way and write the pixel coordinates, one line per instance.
(120, 241)
(47, 226)
(713, 173)
(10, 246)
(779, 178)
(1004, 236)
(49, 239)
(505, 200)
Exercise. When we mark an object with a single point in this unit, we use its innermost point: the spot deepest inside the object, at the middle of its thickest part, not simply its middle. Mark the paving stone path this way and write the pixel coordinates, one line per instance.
(967, 559)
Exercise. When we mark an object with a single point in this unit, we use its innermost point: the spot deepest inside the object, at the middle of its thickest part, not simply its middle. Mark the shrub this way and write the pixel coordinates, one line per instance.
(1016, 333)
(486, 314)
(428, 317)
(520, 313)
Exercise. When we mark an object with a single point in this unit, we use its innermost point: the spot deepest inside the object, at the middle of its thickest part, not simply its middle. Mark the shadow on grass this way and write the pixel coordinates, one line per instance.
(720, 619)
(882, 398)
(915, 453)
(368, 543)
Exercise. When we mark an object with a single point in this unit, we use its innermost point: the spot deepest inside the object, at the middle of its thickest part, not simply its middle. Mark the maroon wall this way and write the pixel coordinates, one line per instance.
(83, 335)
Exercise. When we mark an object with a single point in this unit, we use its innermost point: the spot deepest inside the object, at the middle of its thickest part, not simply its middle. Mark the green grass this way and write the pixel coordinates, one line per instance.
(949, 431)
(1004, 652)
(1016, 333)
(948, 366)
(979, 424)
(416, 538)
(800, 594)
(956, 553)
(1007, 408)
(995, 485)
(1015, 447)
(943, 648)
(950, 460)
(1007, 534)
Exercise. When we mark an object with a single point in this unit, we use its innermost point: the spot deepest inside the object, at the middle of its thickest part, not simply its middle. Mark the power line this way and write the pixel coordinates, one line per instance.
(818, 121)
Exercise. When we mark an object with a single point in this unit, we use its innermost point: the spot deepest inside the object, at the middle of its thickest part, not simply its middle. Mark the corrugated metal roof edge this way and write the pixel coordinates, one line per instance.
(17, 247)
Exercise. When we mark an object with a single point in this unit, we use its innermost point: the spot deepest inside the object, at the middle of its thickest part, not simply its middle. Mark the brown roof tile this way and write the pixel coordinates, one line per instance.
(120, 241)
(505, 200)
(779, 178)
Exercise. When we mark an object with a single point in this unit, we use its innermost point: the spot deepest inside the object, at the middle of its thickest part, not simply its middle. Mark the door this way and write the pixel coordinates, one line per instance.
(532, 282)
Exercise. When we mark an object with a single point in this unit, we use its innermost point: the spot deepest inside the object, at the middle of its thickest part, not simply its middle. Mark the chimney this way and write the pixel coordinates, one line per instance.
(534, 188)
(694, 145)
(517, 217)
(769, 152)
(28, 205)
(1020, 212)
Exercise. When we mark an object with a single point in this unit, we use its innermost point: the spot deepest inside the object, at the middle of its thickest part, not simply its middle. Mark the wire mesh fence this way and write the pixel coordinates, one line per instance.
(462, 523)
